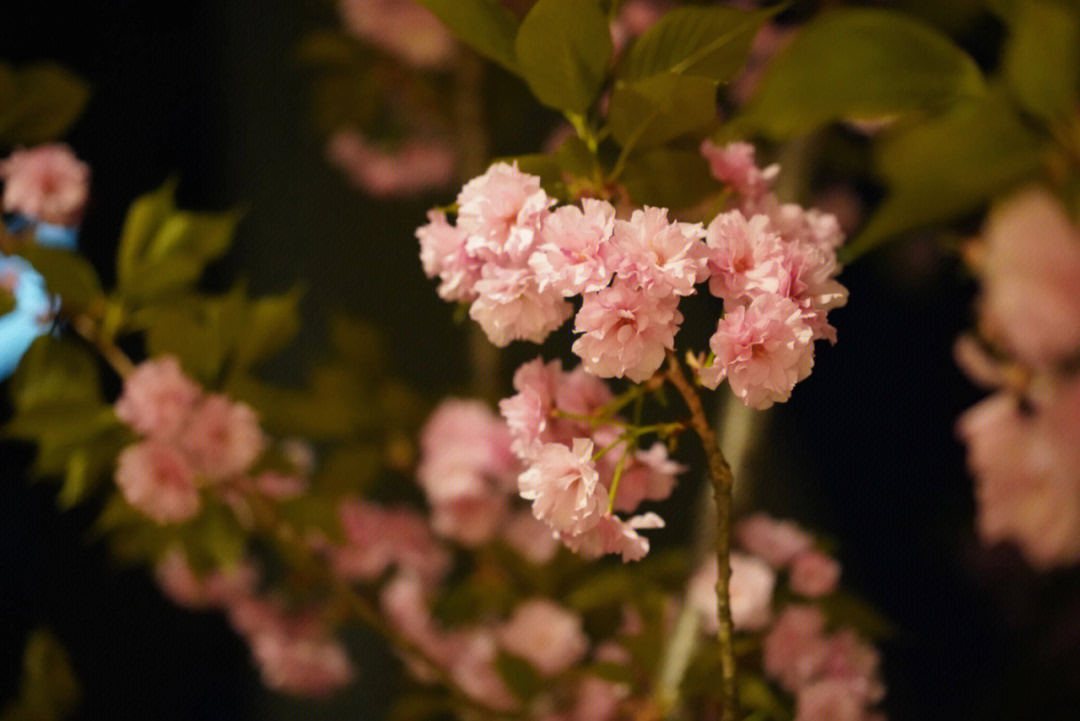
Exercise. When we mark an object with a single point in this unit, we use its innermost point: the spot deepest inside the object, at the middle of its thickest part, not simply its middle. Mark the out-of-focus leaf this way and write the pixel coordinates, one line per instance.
(67, 275)
(575, 158)
(668, 178)
(286, 412)
(327, 49)
(713, 42)
(1041, 59)
(755, 694)
(55, 371)
(486, 26)
(947, 166)
(38, 103)
(358, 343)
(7, 301)
(348, 471)
(270, 323)
(544, 167)
(647, 113)
(859, 64)
(563, 48)
(49, 690)
(519, 676)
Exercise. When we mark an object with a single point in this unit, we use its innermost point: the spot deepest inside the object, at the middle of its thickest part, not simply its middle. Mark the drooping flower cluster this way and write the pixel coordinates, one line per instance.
(571, 464)
(1024, 441)
(831, 675)
(417, 165)
(774, 265)
(403, 28)
(189, 440)
(294, 650)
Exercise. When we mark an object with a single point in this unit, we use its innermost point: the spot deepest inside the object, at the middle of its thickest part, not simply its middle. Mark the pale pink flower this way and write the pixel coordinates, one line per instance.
(573, 254)
(649, 475)
(402, 28)
(763, 350)
(1031, 278)
(661, 257)
(185, 588)
(548, 636)
(528, 412)
(829, 700)
(416, 166)
(278, 486)
(733, 164)
(510, 306)
(978, 364)
(501, 211)
(443, 254)
(471, 520)
(157, 480)
(751, 590)
(157, 398)
(598, 699)
(580, 393)
(814, 574)
(625, 332)
(564, 487)
(736, 246)
(611, 534)
(223, 438)
(795, 651)
(530, 538)
(403, 602)
(856, 663)
(303, 666)
(778, 542)
(471, 657)
(377, 538)
(464, 446)
(46, 183)
(796, 224)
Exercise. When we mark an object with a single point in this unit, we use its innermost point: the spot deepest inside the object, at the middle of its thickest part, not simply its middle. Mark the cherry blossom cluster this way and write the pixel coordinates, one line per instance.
(831, 675)
(1024, 440)
(517, 259)
(293, 649)
(189, 440)
(774, 265)
(580, 467)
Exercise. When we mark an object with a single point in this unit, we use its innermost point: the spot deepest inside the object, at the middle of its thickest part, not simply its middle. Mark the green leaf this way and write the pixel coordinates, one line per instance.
(348, 471)
(563, 48)
(859, 64)
(756, 694)
(544, 167)
(146, 215)
(486, 26)
(67, 275)
(54, 372)
(713, 42)
(359, 343)
(948, 166)
(270, 324)
(1041, 59)
(668, 178)
(647, 113)
(49, 689)
(40, 103)
(519, 676)
(575, 159)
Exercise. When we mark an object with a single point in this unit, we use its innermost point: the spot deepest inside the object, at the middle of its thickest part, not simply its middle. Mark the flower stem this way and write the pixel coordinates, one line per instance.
(722, 481)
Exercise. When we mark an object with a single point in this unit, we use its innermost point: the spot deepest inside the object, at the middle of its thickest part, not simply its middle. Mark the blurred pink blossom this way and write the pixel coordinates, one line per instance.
(46, 183)
(223, 438)
(402, 28)
(751, 590)
(814, 574)
(158, 481)
(416, 166)
(157, 398)
(778, 542)
(546, 635)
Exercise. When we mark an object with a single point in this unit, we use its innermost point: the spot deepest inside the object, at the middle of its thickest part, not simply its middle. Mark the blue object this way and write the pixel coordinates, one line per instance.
(34, 307)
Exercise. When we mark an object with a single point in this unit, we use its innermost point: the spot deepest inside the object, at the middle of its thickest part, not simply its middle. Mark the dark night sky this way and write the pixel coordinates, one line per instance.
(206, 90)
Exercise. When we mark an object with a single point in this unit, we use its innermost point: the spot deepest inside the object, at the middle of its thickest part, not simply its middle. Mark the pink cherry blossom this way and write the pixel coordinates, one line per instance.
(218, 588)
(46, 183)
(157, 398)
(510, 306)
(763, 350)
(463, 446)
(612, 534)
(528, 412)
(403, 28)
(564, 487)
(546, 635)
(795, 651)
(416, 166)
(443, 254)
(660, 257)
(734, 165)
(377, 538)
(751, 590)
(223, 438)
(530, 538)
(1031, 278)
(828, 700)
(301, 665)
(501, 211)
(649, 475)
(736, 246)
(778, 542)
(471, 520)
(814, 574)
(625, 332)
(574, 254)
(473, 653)
(157, 480)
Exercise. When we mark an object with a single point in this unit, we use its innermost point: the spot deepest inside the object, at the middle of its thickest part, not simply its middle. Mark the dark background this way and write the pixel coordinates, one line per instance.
(865, 450)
